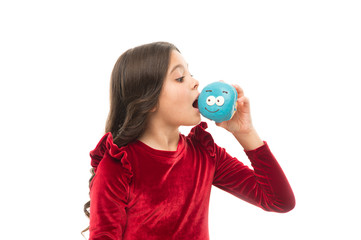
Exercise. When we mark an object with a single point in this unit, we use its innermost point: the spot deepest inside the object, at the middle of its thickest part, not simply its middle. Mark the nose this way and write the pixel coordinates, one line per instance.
(195, 83)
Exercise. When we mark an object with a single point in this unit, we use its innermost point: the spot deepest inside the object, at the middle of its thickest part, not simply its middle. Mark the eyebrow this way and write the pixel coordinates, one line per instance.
(225, 92)
(177, 66)
(208, 90)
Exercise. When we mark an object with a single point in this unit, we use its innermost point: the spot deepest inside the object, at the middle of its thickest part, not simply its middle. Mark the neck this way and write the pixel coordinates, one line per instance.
(160, 137)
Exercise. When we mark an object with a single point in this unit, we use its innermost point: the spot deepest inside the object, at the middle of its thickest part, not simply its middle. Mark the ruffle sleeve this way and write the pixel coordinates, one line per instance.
(106, 146)
(204, 138)
(109, 190)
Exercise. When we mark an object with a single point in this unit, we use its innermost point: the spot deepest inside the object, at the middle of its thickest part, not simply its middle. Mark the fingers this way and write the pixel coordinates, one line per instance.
(239, 90)
(243, 104)
(243, 100)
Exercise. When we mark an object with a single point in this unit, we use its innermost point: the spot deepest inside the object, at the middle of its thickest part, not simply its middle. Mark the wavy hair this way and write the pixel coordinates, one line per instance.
(136, 83)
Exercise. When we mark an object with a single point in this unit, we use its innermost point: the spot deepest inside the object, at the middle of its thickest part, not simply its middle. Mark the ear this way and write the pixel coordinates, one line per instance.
(154, 109)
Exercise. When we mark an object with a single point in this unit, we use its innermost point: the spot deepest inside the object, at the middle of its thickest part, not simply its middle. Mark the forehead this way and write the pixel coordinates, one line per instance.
(176, 62)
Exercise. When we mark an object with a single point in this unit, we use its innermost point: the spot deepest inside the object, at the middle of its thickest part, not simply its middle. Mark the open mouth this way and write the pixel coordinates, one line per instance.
(195, 103)
(212, 111)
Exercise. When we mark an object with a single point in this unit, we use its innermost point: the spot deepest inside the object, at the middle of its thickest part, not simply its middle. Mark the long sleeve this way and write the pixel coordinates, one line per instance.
(266, 186)
(109, 191)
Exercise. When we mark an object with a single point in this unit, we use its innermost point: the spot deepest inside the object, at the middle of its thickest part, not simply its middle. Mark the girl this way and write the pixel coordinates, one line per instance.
(151, 182)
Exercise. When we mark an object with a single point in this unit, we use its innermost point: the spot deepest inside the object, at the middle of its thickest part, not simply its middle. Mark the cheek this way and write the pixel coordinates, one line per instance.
(175, 96)
(170, 101)
(177, 103)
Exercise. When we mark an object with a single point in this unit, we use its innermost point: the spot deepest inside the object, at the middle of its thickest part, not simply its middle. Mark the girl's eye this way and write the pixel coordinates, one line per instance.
(180, 79)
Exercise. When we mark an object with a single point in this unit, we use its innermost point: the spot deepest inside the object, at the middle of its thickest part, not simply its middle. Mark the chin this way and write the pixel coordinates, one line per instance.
(193, 122)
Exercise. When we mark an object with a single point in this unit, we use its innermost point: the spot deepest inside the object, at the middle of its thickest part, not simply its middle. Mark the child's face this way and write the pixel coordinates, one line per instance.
(179, 93)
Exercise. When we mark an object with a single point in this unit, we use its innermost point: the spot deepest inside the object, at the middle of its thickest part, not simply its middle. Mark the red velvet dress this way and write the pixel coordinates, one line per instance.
(142, 193)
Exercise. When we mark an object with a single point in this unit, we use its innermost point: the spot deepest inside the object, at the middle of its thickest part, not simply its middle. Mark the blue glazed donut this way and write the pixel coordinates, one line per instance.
(218, 101)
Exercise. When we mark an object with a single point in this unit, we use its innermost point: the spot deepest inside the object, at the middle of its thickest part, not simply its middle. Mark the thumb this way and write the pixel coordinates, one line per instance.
(220, 124)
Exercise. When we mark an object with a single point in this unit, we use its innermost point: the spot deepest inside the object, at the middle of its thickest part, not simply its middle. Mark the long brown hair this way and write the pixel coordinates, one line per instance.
(136, 83)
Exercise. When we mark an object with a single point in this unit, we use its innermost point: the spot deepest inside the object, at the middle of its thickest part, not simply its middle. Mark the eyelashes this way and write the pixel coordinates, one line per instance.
(181, 79)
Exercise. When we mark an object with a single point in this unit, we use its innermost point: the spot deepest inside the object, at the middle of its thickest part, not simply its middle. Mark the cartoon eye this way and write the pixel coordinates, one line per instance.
(219, 101)
(211, 100)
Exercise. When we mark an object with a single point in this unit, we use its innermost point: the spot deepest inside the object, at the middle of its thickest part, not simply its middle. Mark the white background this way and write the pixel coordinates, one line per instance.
(299, 62)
